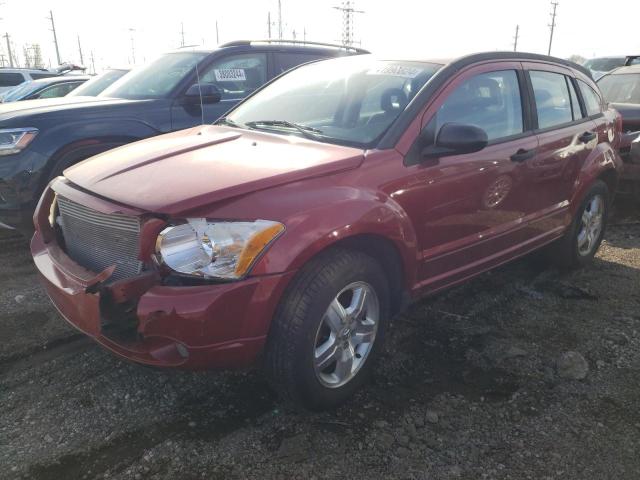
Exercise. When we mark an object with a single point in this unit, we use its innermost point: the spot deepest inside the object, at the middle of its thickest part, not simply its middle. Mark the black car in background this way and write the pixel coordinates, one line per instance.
(181, 89)
(51, 87)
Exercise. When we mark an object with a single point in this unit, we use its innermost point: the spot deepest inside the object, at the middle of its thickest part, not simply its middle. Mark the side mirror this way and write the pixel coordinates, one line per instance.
(209, 92)
(456, 139)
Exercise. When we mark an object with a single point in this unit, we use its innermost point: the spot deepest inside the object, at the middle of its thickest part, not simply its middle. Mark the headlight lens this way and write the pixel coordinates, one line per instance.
(14, 140)
(215, 249)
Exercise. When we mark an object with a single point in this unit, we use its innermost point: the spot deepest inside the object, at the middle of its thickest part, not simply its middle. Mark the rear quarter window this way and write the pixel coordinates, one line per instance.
(592, 100)
(10, 79)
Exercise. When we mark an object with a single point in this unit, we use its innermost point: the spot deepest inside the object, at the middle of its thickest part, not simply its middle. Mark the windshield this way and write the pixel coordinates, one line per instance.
(20, 92)
(604, 64)
(97, 84)
(349, 101)
(622, 88)
(157, 79)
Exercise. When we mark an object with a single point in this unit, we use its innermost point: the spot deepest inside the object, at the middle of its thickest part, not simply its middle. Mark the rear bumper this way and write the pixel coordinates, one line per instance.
(192, 327)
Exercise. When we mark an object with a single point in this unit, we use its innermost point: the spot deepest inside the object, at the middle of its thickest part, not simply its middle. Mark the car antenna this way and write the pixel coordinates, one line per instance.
(200, 93)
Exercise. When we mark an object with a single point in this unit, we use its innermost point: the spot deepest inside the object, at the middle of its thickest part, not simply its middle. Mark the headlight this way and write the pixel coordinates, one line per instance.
(215, 249)
(14, 140)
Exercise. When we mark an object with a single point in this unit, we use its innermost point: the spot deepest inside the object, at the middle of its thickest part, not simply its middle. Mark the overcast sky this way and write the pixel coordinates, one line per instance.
(432, 29)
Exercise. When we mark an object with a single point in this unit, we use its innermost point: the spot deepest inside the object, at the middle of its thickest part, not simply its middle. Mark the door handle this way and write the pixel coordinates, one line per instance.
(586, 137)
(522, 155)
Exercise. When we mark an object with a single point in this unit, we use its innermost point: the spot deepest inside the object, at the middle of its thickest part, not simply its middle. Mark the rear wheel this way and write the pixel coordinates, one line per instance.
(582, 240)
(328, 330)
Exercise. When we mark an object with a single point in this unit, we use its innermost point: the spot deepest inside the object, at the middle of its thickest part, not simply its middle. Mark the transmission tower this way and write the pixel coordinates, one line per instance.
(348, 12)
(552, 25)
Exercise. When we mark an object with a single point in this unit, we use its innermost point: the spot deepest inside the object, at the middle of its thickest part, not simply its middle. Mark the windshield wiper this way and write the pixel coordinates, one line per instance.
(309, 132)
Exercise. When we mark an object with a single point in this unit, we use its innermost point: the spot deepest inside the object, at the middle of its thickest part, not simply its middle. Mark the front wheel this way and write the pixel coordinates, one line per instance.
(328, 330)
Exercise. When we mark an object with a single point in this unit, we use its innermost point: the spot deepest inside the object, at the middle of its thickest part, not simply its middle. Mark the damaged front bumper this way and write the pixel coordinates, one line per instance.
(196, 327)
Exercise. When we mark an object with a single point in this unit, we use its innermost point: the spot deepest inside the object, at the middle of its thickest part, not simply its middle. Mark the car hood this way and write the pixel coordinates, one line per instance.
(185, 170)
(30, 108)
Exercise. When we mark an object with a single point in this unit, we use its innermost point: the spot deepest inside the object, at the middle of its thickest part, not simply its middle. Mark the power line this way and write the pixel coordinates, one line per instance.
(55, 37)
(553, 24)
(347, 10)
(515, 39)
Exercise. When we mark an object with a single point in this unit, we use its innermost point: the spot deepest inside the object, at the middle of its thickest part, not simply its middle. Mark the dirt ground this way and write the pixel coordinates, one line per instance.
(469, 387)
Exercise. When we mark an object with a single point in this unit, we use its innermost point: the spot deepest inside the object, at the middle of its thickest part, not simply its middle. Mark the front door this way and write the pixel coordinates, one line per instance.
(235, 75)
(468, 209)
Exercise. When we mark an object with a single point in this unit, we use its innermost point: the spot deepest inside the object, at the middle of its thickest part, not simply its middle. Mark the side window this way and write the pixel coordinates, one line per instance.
(237, 75)
(591, 99)
(553, 102)
(286, 61)
(490, 101)
(55, 91)
(10, 79)
(575, 104)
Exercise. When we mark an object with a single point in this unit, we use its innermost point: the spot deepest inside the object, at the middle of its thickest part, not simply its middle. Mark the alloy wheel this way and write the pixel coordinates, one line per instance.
(346, 334)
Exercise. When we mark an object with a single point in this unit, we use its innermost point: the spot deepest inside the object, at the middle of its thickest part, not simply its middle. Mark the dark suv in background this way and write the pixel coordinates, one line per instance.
(181, 89)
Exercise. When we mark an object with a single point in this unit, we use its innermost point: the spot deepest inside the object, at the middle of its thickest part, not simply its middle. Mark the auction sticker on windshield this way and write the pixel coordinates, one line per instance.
(230, 75)
(396, 70)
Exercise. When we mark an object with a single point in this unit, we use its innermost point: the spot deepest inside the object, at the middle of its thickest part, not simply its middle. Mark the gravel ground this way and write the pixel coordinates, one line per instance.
(523, 373)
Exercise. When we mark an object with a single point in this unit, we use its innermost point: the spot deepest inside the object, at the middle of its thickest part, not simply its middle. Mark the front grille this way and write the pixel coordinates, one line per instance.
(96, 240)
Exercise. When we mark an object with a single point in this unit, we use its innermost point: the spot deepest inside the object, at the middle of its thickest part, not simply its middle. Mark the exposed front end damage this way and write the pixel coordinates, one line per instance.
(152, 318)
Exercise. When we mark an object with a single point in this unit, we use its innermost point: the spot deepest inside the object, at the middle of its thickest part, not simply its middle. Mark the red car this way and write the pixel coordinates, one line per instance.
(293, 230)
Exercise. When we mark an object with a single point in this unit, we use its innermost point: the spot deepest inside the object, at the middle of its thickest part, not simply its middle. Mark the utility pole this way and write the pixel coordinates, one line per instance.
(93, 63)
(347, 10)
(55, 37)
(217, 35)
(133, 48)
(80, 51)
(182, 33)
(6, 36)
(279, 20)
(515, 39)
(269, 25)
(304, 35)
(553, 24)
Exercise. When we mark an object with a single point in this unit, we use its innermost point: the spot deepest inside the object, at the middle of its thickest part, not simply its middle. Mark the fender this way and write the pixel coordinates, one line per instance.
(65, 137)
(602, 159)
(351, 212)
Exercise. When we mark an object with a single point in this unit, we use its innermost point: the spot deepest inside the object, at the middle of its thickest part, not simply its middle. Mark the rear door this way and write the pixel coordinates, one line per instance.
(566, 136)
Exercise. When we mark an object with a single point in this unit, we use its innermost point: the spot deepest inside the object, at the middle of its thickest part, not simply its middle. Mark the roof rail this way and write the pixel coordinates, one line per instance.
(238, 43)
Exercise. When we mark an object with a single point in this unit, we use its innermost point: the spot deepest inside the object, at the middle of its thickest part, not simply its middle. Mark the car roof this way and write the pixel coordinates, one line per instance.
(626, 70)
(279, 45)
(494, 56)
(59, 79)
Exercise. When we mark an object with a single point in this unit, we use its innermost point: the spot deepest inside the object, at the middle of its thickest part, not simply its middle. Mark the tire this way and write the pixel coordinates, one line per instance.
(308, 339)
(574, 250)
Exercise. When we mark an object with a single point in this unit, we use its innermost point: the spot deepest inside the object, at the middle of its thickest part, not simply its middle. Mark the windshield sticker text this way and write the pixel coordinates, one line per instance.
(396, 71)
(230, 75)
